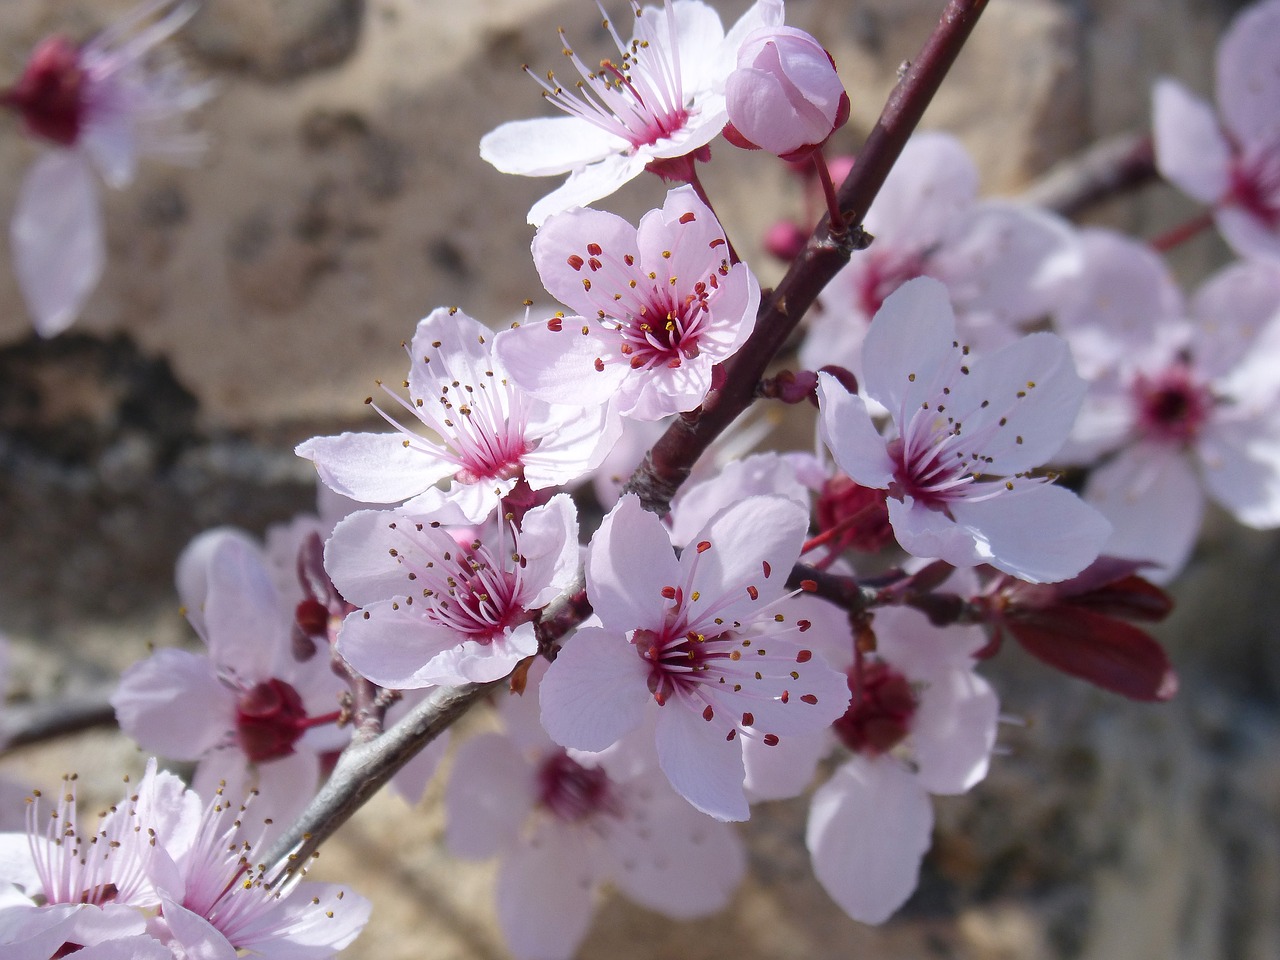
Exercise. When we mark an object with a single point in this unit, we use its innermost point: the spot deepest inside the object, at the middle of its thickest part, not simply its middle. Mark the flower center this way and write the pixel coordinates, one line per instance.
(48, 94)
(1171, 405)
(880, 713)
(882, 275)
(853, 516)
(1255, 183)
(640, 97)
(677, 662)
(270, 718)
(573, 792)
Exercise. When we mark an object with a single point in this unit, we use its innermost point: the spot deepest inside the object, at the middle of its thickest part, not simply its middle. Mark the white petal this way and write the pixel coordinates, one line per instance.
(595, 691)
(669, 857)
(1152, 497)
(909, 347)
(547, 146)
(373, 467)
(1191, 151)
(702, 766)
(1248, 83)
(629, 562)
(1020, 401)
(932, 183)
(1041, 533)
(589, 183)
(173, 704)
(545, 893)
(561, 367)
(954, 730)
(784, 770)
(869, 827)
(753, 543)
(491, 791)
(847, 430)
(1241, 469)
(57, 238)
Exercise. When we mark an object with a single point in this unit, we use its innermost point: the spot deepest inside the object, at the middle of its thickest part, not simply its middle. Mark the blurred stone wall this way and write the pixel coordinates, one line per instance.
(251, 301)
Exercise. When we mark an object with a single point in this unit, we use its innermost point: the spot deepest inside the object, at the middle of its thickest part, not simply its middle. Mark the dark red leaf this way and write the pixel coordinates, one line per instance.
(1107, 652)
(1132, 598)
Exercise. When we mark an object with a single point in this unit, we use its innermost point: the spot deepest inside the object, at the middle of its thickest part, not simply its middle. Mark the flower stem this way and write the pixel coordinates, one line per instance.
(834, 216)
(1183, 232)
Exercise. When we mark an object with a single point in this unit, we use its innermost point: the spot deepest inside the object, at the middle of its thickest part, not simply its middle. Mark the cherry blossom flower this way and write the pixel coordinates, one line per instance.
(214, 901)
(436, 612)
(659, 306)
(564, 823)
(1187, 407)
(785, 95)
(71, 886)
(102, 105)
(1231, 160)
(492, 433)
(163, 876)
(961, 424)
(249, 712)
(705, 645)
(1003, 265)
(920, 722)
(661, 102)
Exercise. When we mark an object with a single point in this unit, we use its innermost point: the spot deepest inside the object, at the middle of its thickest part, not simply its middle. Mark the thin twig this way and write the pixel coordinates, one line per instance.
(1105, 170)
(26, 724)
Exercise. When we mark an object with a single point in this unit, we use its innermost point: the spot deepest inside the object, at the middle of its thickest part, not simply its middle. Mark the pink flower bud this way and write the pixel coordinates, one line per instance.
(785, 96)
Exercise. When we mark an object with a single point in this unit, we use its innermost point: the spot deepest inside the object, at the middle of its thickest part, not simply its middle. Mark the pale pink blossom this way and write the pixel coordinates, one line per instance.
(1183, 398)
(491, 432)
(706, 646)
(564, 823)
(215, 902)
(1003, 265)
(1231, 160)
(920, 722)
(102, 105)
(967, 431)
(248, 711)
(437, 612)
(660, 102)
(785, 95)
(658, 306)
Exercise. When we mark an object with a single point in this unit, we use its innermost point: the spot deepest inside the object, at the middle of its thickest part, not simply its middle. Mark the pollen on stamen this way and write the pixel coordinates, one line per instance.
(770, 739)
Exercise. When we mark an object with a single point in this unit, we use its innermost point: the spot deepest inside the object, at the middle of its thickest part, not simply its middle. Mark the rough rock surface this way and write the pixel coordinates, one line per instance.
(252, 300)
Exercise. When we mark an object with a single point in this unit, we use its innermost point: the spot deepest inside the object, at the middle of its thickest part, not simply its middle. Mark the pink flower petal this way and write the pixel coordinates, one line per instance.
(1013, 530)
(629, 562)
(1248, 84)
(1191, 151)
(545, 893)
(1152, 497)
(57, 239)
(869, 827)
(595, 691)
(490, 792)
(173, 704)
(547, 146)
(373, 467)
(703, 767)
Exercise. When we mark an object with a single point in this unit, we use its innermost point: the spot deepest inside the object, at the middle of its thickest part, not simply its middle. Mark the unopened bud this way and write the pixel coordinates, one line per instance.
(785, 96)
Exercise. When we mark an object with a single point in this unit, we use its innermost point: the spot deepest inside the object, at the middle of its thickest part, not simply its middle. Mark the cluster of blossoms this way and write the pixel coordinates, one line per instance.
(701, 654)
(164, 876)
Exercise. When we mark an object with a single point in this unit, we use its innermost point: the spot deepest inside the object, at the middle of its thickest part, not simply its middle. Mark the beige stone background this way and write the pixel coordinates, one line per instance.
(250, 302)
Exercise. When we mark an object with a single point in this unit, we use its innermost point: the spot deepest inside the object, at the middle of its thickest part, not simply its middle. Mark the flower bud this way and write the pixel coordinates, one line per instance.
(785, 96)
